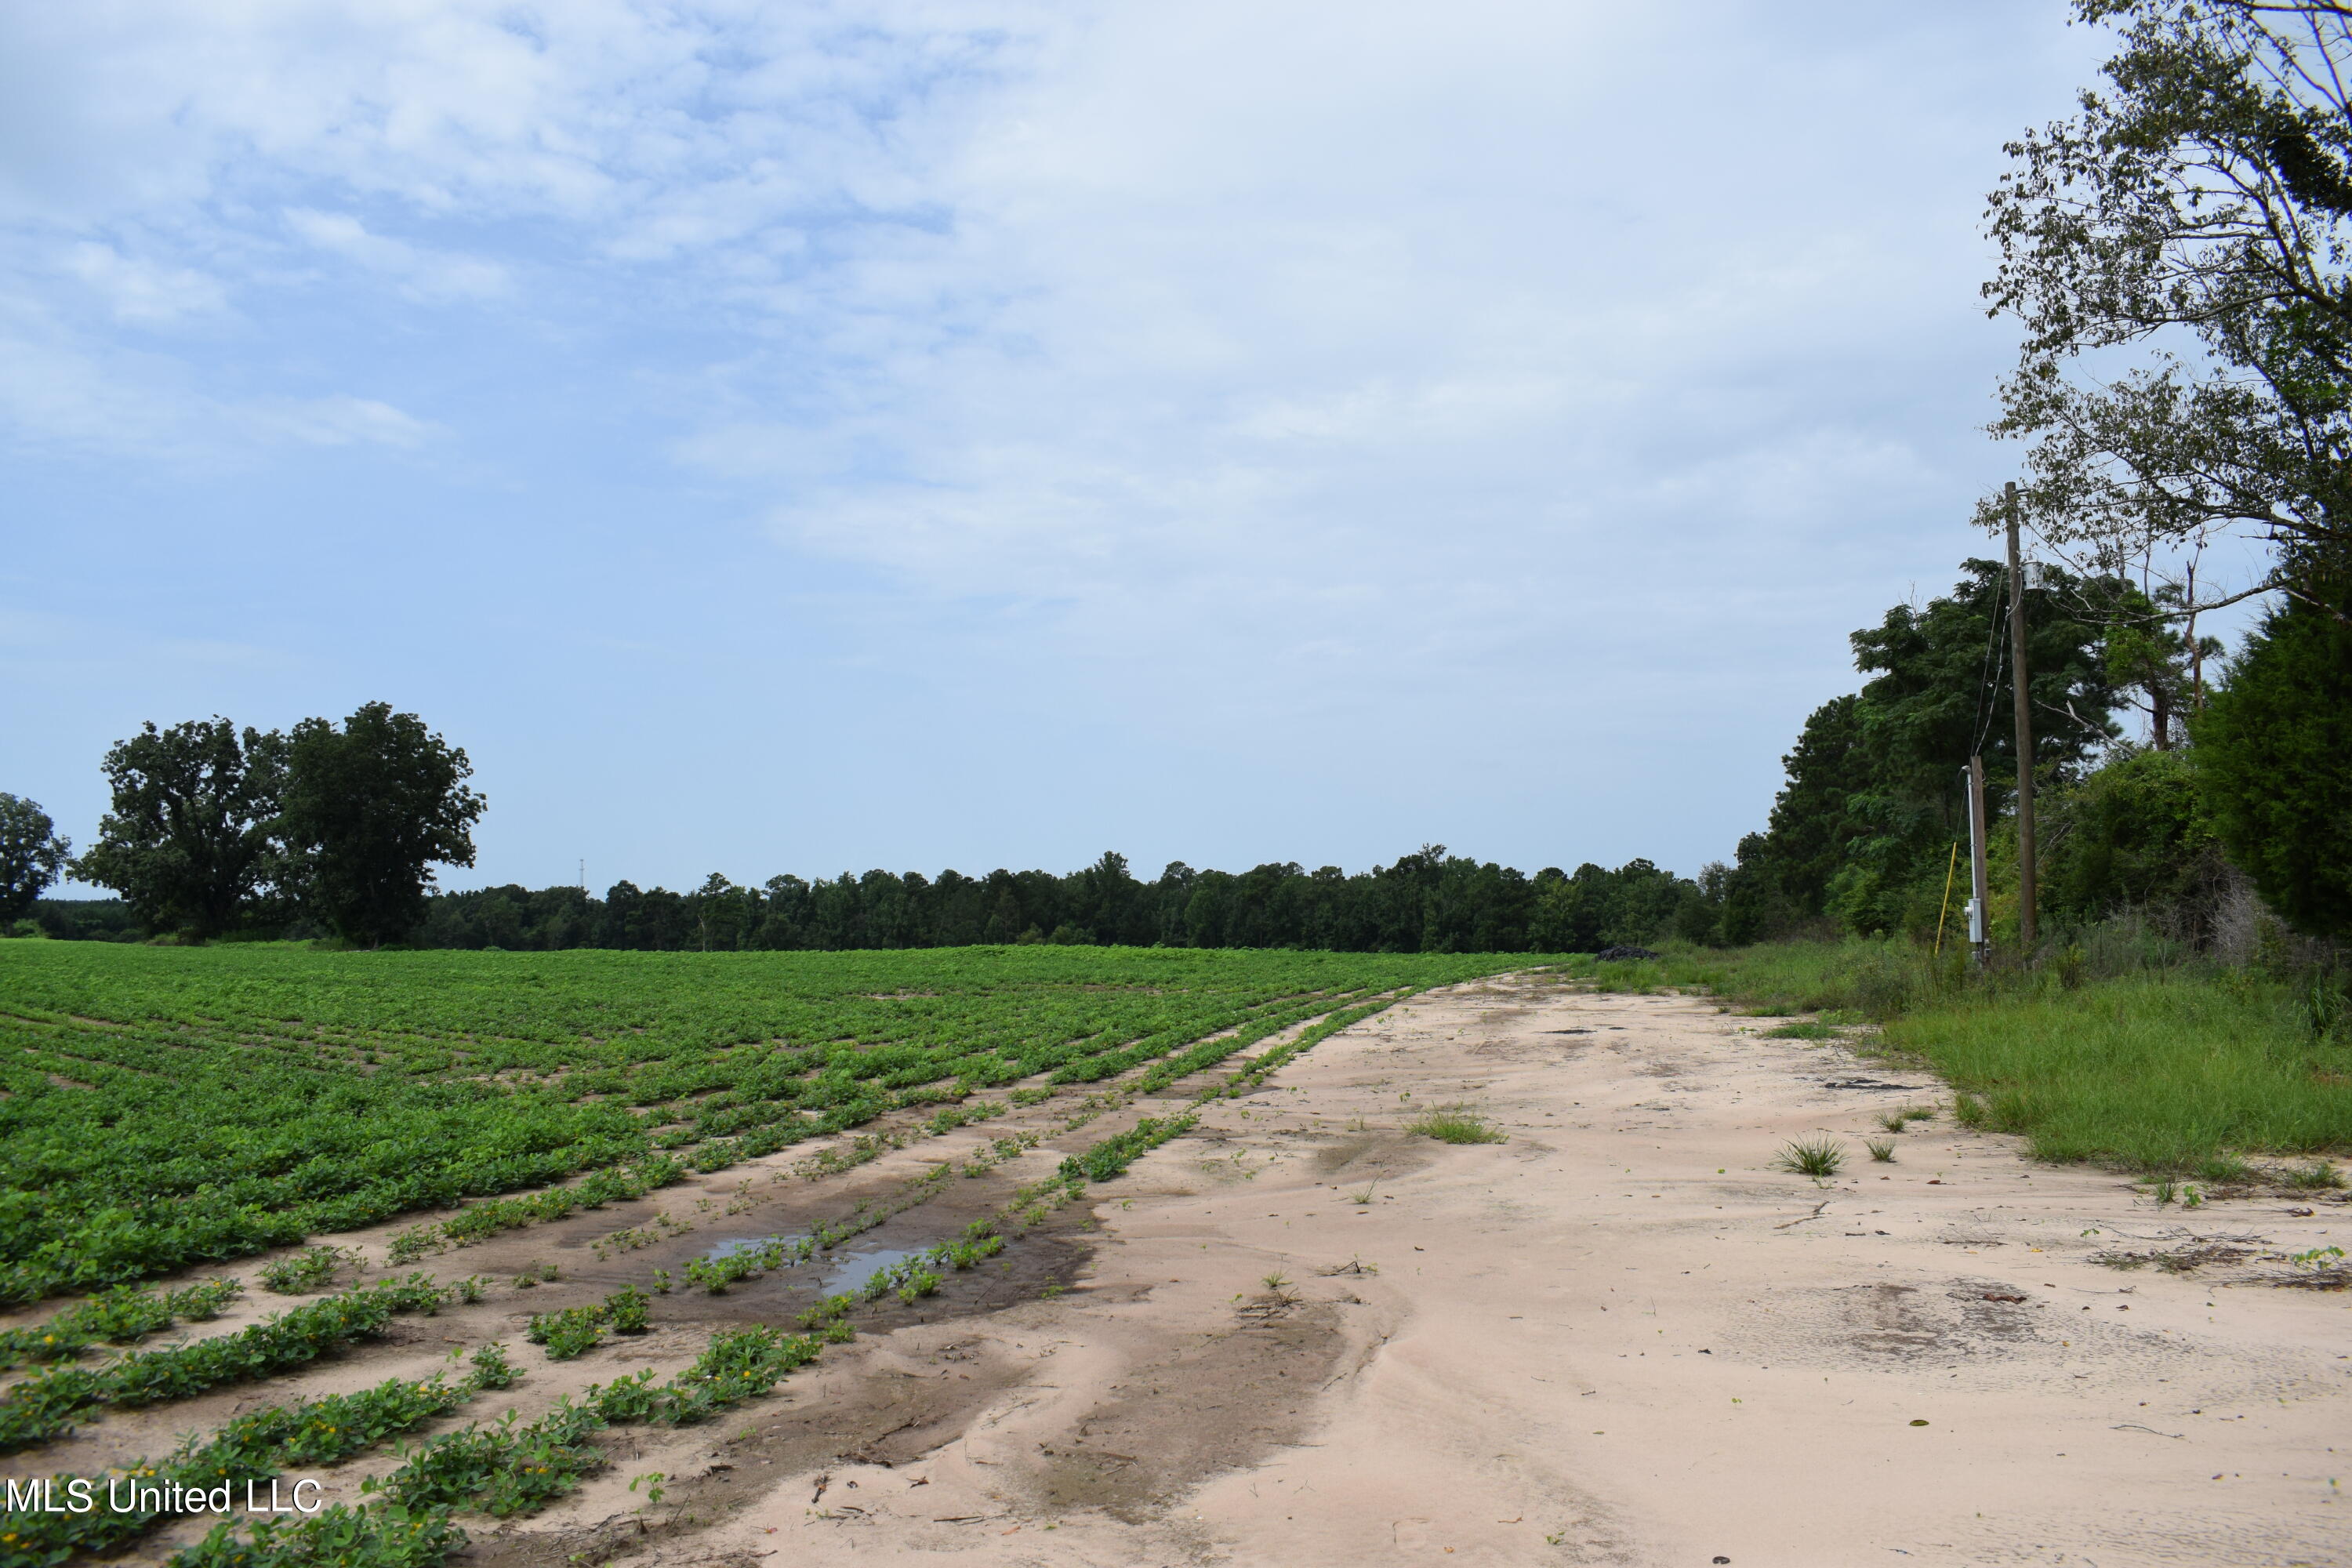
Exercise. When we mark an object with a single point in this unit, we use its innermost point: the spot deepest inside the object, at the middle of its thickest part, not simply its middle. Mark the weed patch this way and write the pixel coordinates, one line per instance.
(1455, 1124)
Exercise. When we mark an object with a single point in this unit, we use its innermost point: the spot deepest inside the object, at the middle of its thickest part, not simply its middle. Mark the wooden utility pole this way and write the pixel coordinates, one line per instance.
(1974, 781)
(2021, 686)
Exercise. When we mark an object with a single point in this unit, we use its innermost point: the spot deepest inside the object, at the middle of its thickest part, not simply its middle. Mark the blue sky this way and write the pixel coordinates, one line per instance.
(798, 437)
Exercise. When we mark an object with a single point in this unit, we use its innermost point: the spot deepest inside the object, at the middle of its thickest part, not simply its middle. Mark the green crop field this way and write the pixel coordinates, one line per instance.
(166, 1107)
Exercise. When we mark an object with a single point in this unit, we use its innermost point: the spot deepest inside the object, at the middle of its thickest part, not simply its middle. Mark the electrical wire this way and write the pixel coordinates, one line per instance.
(1996, 655)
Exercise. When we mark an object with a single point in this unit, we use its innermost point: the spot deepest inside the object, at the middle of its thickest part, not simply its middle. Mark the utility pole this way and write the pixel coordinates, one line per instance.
(2020, 685)
(1973, 779)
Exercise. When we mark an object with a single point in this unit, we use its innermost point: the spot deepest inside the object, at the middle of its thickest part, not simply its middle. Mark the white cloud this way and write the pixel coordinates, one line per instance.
(142, 291)
(337, 421)
(1238, 302)
(423, 274)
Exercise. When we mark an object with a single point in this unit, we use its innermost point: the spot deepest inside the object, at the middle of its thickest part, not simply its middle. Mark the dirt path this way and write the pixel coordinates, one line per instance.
(1621, 1337)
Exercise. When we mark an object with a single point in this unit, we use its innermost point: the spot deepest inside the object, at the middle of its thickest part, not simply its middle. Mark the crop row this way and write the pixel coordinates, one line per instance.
(510, 1467)
(122, 1316)
(256, 1446)
(480, 1221)
(48, 1405)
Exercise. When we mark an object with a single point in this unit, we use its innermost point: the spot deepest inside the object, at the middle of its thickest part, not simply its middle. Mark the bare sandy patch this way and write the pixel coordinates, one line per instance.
(1622, 1336)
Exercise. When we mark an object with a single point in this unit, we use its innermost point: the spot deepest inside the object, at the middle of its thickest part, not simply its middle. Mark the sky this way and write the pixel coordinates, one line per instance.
(807, 437)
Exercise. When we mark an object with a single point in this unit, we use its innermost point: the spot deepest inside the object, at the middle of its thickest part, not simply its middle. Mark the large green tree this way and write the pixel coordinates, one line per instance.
(1940, 687)
(31, 854)
(371, 806)
(2272, 752)
(191, 839)
(2190, 219)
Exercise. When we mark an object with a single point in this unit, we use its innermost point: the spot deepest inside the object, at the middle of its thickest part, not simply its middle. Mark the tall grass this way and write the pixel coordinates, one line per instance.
(2155, 1073)
(2147, 1067)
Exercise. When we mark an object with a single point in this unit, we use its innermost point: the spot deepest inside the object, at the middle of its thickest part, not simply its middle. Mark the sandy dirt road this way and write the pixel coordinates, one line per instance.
(1619, 1337)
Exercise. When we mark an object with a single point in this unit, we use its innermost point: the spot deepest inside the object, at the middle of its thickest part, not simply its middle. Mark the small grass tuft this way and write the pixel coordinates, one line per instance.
(1893, 1121)
(1815, 1157)
(1881, 1148)
(1456, 1124)
(1801, 1032)
(2317, 1176)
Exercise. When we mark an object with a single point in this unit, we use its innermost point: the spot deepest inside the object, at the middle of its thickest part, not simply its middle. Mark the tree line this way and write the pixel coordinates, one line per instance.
(332, 830)
(1427, 901)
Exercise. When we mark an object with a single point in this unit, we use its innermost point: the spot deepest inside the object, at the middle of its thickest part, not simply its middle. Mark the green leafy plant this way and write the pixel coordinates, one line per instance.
(308, 1270)
(573, 1332)
(502, 1469)
(628, 1310)
(491, 1367)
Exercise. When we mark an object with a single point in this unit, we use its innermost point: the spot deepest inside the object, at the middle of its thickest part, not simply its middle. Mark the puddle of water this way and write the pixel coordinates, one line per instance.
(849, 1270)
(843, 1270)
